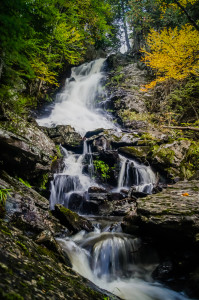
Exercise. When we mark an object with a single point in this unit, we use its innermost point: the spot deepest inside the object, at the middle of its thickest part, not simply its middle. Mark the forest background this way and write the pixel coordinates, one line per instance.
(40, 40)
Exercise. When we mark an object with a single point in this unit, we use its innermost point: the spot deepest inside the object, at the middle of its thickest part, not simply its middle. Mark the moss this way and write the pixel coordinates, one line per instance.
(139, 151)
(23, 247)
(44, 181)
(10, 296)
(42, 250)
(165, 154)
(58, 151)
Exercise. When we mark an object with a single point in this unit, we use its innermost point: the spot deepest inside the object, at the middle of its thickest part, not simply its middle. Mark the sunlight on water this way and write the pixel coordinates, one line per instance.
(75, 106)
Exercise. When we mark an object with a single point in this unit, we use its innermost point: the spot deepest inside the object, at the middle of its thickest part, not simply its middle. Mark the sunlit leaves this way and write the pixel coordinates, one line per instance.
(174, 54)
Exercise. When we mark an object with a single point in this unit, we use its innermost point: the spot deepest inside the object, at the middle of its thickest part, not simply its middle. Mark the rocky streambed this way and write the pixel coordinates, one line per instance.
(134, 176)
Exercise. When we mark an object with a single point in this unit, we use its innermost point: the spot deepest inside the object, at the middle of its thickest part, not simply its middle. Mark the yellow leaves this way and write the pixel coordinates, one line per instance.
(43, 73)
(173, 53)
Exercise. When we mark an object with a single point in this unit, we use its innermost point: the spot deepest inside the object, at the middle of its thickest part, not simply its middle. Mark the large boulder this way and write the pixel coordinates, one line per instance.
(26, 151)
(66, 136)
(110, 139)
(172, 214)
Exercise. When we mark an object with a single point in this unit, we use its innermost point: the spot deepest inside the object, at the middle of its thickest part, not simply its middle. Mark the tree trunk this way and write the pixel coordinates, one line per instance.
(125, 27)
(183, 128)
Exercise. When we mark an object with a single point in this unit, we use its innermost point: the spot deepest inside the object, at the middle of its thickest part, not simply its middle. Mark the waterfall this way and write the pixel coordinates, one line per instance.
(72, 179)
(136, 174)
(113, 262)
(76, 104)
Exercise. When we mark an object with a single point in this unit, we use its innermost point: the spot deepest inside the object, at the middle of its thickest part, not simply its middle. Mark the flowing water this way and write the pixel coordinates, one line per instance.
(113, 260)
(136, 174)
(76, 105)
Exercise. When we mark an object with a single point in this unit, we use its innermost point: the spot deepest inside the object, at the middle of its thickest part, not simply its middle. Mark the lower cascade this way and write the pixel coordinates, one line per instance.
(116, 262)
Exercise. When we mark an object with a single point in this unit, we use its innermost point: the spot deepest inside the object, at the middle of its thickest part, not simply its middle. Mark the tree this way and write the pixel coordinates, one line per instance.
(174, 53)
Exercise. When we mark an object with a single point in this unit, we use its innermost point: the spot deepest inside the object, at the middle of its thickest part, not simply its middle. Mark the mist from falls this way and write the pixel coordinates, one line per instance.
(76, 104)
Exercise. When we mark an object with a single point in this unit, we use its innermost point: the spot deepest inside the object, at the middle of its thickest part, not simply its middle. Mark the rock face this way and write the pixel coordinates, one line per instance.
(66, 136)
(125, 94)
(31, 260)
(26, 151)
(173, 213)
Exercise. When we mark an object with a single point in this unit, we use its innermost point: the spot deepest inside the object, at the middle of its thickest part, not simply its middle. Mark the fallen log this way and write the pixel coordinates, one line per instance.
(182, 128)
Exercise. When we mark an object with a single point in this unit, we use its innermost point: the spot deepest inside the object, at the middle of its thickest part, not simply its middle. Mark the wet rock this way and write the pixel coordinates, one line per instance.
(47, 239)
(164, 271)
(96, 189)
(172, 214)
(138, 152)
(66, 136)
(99, 197)
(115, 196)
(93, 133)
(122, 207)
(27, 209)
(91, 207)
(26, 152)
(71, 220)
(28, 268)
(133, 193)
(75, 201)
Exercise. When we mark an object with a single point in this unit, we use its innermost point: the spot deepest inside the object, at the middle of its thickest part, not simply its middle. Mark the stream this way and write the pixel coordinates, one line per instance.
(119, 263)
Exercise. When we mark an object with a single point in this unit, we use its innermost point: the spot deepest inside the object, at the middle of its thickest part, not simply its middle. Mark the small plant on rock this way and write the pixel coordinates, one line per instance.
(102, 168)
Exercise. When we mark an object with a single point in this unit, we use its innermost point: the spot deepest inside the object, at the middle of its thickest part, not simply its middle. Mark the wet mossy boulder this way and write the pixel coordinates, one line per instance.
(71, 219)
(66, 136)
(136, 152)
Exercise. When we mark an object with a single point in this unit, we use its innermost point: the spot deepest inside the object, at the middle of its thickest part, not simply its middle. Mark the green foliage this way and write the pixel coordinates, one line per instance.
(184, 101)
(103, 168)
(4, 193)
(38, 38)
(128, 115)
(44, 181)
(59, 154)
(26, 183)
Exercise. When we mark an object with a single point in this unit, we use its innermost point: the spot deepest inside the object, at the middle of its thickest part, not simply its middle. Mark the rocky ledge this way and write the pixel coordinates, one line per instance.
(173, 213)
(32, 263)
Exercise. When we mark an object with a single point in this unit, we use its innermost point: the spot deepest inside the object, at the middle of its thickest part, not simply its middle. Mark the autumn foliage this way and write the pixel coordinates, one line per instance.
(172, 54)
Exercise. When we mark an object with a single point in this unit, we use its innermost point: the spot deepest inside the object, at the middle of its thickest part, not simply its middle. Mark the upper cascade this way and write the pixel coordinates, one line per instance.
(76, 104)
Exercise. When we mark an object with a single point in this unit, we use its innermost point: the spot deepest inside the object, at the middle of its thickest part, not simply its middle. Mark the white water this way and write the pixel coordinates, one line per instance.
(75, 106)
(110, 260)
(137, 174)
(107, 259)
(71, 179)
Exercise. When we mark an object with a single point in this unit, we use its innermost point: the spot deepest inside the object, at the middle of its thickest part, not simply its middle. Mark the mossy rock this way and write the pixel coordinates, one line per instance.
(71, 219)
(139, 152)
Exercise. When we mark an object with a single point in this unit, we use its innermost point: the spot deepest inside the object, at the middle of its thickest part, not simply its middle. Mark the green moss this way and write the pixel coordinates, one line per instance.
(58, 151)
(23, 247)
(10, 296)
(165, 154)
(137, 151)
(42, 250)
(44, 181)
(26, 183)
